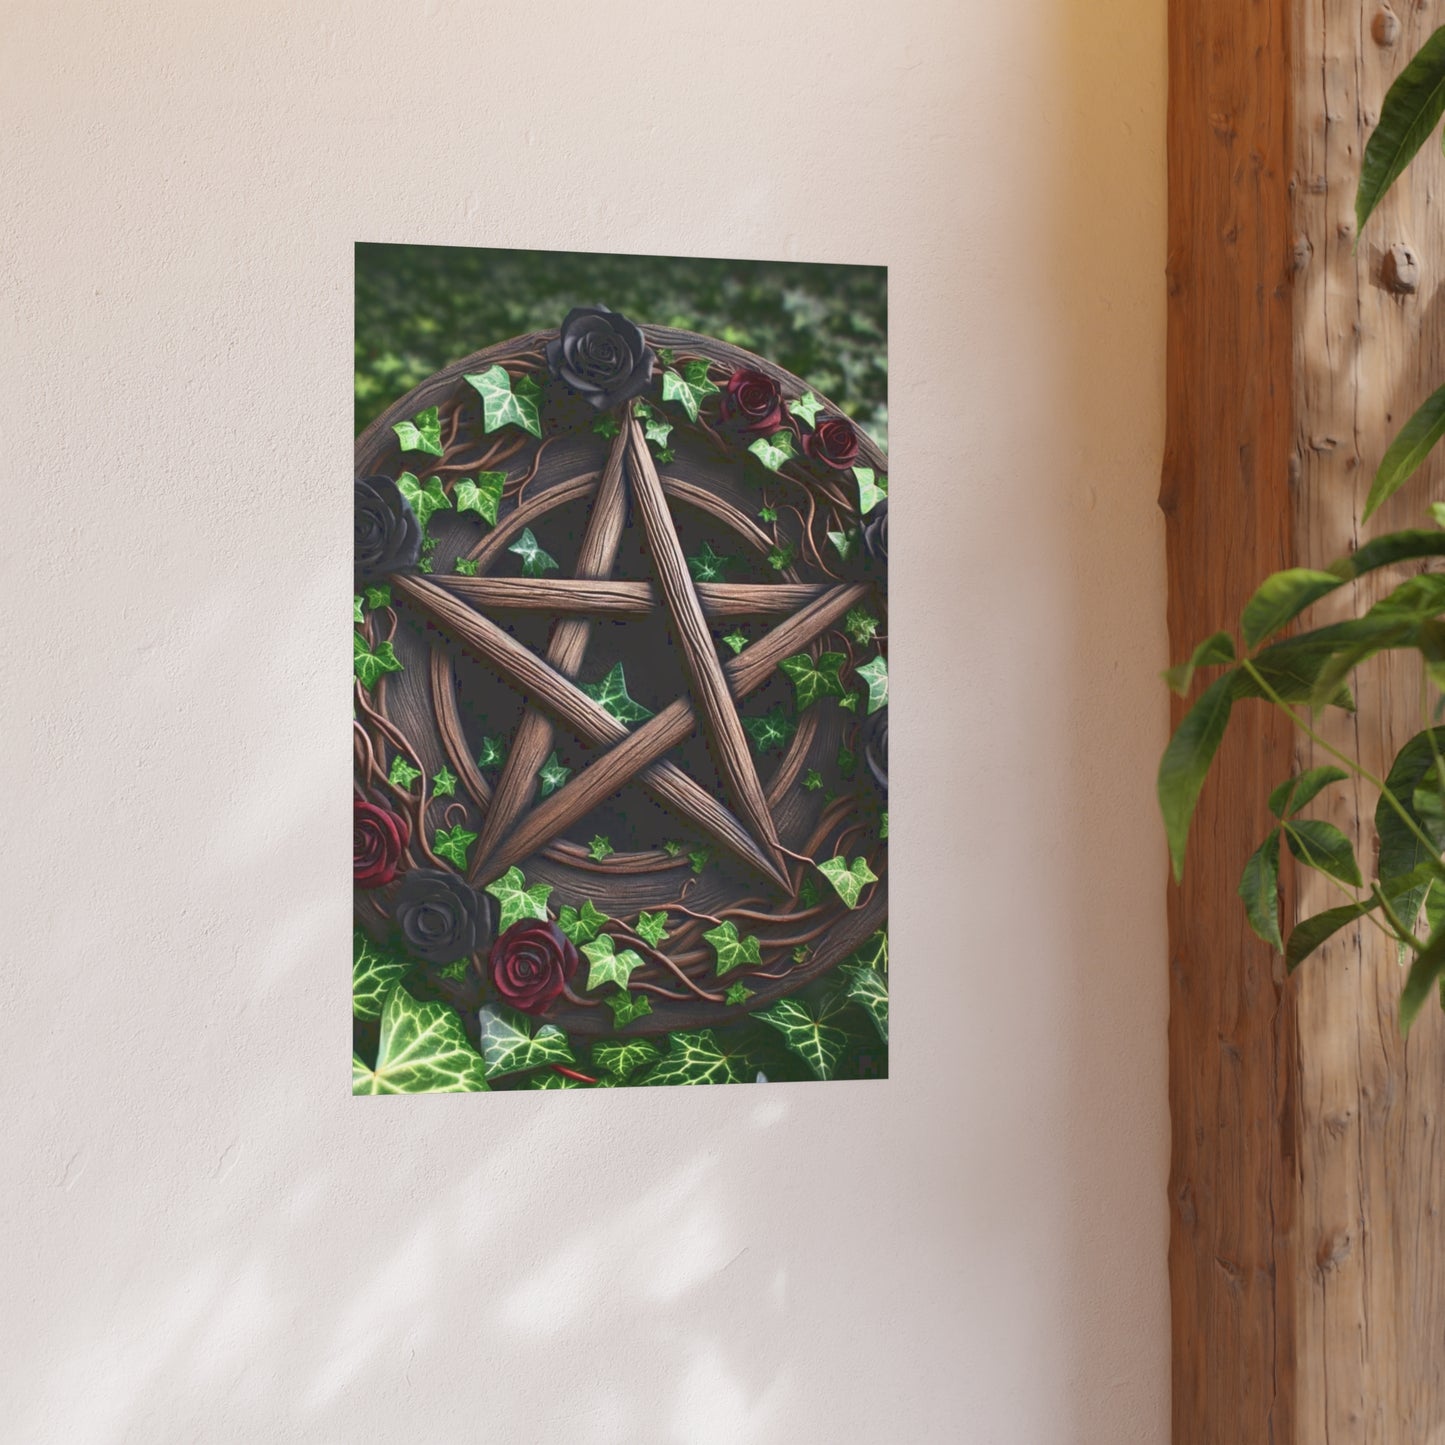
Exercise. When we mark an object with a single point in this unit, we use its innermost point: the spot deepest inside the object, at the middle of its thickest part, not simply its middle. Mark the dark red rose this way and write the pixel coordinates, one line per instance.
(530, 962)
(834, 443)
(753, 400)
(378, 837)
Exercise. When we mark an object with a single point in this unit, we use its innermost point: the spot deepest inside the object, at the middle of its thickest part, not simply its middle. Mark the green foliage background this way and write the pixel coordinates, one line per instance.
(419, 308)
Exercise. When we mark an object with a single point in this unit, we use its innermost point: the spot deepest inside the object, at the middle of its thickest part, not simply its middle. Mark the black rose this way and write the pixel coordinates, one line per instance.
(388, 538)
(875, 748)
(440, 917)
(875, 532)
(602, 356)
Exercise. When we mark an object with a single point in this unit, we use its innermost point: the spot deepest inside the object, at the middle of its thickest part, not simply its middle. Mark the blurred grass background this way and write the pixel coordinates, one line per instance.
(419, 308)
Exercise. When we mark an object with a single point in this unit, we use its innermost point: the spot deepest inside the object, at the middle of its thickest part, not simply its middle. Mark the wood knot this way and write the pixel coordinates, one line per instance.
(1385, 27)
(1334, 1249)
(1400, 270)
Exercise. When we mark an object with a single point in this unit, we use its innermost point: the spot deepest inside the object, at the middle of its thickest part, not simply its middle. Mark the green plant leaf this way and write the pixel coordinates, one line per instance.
(1405, 546)
(370, 666)
(607, 964)
(1414, 442)
(517, 901)
(373, 971)
(423, 433)
(773, 451)
(1281, 598)
(805, 1034)
(1425, 972)
(848, 880)
(733, 952)
(656, 428)
(700, 858)
(1219, 648)
(356, 616)
(1413, 106)
(807, 407)
(606, 425)
(652, 927)
(402, 774)
(534, 560)
(505, 403)
(482, 496)
(425, 500)
(844, 543)
(873, 953)
(871, 490)
(1310, 933)
(509, 1045)
(708, 565)
(735, 640)
(1401, 852)
(869, 990)
(452, 844)
(465, 566)
(875, 674)
(770, 731)
(627, 1007)
(553, 1080)
(624, 1058)
(847, 761)
(554, 772)
(377, 596)
(492, 754)
(688, 388)
(1186, 761)
(781, 556)
(422, 1051)
(861, 625)
(1259, 888)
(883, 824)
(1300, 791)
(444, 783)
(697, 1058)
(672, 848)
(738, 994)
(812, 780)
(1323, 847)
(581, 925)
(600, 849)
(770, 514)
(812, 680)
(612, 693)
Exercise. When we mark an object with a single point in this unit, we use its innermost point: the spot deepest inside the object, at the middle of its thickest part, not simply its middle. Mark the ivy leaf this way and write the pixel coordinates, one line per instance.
(666, 355)
(652, 927)
(808, 892)
(656, 428)
(770, 514)
(373, 971)
(599, 849)
(873, 953)
(848, 882)
(626, 1007)
(807, 407)
(819, 1046)
(666, 455)
(516, 899)
(465, 566)
(372, 665)
(1259, 888)
(812, 780)
(424, 499)
(813, 680)
(553, 774)
(612, 693)
(849, 703)
(534, 560)
(871, 490)
(869, 990)
(708, 566)
(672, 848)
(493, 753)
(861, 625)
(697, 1058)
(800, 953)
(688, 388)
(553, 1080)
(453, 844)
(771, 730)
(356, 616)
(509, 1046)
(444, 783)
(845, 543)
(606, 425)
(402, 774)
(607, 965)
(1298, 792)
(423, 433)
(505, 404)
(377, 596)
(422, 1051)
(733, 952)
(583, 925)
(735, 640)
(425, 565)
(482, 496)
(847, 760)
(700, 858)
(781, 556)
(738, 994)
(883, 826)
(622, 1058)
(875, 674)
(773, 451)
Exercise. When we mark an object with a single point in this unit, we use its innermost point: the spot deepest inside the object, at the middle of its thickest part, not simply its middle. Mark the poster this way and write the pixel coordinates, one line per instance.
(620, 724)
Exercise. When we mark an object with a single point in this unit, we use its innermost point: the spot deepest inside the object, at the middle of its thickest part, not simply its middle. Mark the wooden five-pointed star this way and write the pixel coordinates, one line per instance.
(511, 831)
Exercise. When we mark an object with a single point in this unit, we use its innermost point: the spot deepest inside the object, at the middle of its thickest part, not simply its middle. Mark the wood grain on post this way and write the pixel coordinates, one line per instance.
(1307, 1256)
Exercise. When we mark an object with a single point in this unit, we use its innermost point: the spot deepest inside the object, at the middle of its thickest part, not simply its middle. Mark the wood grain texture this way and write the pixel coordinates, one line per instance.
(1307, 1259)
(569, 596)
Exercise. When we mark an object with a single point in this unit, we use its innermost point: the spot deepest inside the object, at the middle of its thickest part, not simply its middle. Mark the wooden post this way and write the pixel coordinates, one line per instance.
(1307, 1251)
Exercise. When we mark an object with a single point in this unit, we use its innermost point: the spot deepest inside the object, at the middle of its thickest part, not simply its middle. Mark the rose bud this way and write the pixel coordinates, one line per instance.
(602, 356)
(875, 748)
(753, 400)
(441, 918)
(388, 538)
(378, 839)
(875, 533)
(530, 964)
(834, 443)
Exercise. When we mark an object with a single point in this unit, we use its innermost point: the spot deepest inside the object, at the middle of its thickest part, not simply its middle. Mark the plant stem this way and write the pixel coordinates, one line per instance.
(1403, 934)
